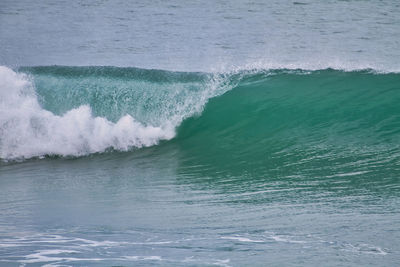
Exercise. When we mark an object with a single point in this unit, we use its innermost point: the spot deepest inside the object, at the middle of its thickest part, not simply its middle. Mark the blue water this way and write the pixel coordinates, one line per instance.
(187, 133)
(206, 35)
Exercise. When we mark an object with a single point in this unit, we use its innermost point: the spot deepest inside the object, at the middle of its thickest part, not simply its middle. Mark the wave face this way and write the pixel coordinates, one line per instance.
(74, 111)
(316, 123)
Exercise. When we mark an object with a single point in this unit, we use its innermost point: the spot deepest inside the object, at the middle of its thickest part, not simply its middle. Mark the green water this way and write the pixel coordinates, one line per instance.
(271, 167)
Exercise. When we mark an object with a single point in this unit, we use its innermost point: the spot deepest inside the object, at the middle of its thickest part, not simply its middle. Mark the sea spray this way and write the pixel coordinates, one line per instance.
(75, 111)
(27, 130)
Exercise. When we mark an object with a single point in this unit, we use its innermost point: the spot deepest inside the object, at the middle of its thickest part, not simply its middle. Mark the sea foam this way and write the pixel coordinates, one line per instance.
(27, 130)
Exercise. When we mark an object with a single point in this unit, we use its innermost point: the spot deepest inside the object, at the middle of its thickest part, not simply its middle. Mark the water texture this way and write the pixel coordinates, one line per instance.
(187, 133)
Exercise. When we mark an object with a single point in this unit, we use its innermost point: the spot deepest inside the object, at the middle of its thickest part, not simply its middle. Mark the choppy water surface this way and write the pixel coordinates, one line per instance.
(267, 134)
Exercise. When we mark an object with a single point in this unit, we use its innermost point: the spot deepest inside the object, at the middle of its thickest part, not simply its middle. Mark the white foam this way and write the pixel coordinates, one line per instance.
(365, 248)
(27, 130)
(49, 255)
(242, 239)
(268, 64)
(286, 240)
(217, 262)
(347, 174)
(143, 258)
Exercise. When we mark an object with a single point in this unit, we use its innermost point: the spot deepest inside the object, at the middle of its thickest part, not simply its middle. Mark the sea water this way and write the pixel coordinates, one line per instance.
(199, 133)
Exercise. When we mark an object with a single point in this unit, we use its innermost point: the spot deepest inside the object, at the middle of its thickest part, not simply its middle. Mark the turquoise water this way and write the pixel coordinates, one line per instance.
(267, 136)
(278, 167)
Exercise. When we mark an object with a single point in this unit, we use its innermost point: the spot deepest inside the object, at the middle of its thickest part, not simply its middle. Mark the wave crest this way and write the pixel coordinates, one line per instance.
(27, 130)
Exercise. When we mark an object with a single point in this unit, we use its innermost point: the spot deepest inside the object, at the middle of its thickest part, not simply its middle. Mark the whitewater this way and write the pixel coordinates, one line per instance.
(28, 130)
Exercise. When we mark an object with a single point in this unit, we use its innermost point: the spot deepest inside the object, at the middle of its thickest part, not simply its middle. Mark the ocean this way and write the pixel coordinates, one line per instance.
(199, 133)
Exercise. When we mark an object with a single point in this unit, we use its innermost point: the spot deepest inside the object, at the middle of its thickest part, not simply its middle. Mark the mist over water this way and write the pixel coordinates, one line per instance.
(213, 133)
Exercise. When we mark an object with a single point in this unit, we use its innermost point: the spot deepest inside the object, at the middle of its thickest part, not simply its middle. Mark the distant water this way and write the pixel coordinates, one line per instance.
(202, 35)
(200, 133)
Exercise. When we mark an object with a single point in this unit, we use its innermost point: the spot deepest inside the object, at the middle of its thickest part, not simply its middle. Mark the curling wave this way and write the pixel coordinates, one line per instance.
(58, 110)
(75, 111)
